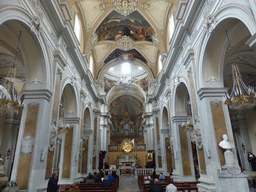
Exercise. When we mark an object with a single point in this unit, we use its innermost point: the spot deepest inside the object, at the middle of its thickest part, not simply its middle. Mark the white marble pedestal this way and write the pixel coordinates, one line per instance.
(233, 180)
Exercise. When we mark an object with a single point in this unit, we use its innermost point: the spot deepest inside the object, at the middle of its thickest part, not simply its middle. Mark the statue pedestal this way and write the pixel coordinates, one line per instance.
(233, 180)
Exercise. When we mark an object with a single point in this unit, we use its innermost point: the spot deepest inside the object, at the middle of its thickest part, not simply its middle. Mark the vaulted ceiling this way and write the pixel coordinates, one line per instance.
(137, 26)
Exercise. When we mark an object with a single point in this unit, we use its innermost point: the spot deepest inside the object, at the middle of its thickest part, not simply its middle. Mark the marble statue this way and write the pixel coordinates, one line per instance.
(225, 144)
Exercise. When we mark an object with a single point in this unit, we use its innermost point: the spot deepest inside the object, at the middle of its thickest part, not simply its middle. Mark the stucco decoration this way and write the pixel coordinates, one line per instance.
(125, 7)
(125, 43)
(156, 40)
(92, 11)
(93, 40)
(52, 141)
(27, 145)
(157, 10)
(196, 136)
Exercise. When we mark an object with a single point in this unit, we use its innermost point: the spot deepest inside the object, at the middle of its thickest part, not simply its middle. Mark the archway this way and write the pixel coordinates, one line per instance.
(189, 156)
(30, 63)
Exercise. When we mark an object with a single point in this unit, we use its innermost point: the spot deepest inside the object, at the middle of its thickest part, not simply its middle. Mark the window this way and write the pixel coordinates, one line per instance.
(171, 28)
(160, 64)
(91, 64)
(77, 27)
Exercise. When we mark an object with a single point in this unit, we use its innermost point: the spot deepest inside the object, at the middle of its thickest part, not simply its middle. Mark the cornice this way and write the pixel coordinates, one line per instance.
(211, 92)
(37, 94)
(74, 120)
(58, 57)
(177, 119)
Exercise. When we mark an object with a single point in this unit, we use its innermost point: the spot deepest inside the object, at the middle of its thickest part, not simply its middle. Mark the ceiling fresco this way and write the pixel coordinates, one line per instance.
(114, 26)
(142, 83)
(134, 106)
(119, 55)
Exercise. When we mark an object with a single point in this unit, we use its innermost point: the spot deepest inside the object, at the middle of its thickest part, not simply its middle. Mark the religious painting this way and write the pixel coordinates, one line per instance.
(115, 25)
(150, 157)
(108, 84)
(119, 55)
(143, 83)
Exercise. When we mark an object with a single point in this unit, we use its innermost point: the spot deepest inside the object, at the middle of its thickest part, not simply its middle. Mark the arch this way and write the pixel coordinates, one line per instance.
(70, 99)
(119, 90)
(240, 14)
(180, 100)
(26, 21)
(110, 64)
(106, 66)
(165, 118)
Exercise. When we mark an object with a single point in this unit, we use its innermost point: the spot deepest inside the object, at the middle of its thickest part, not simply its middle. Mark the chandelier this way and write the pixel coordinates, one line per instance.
(241, 96)
(125, 7)
(10, 101)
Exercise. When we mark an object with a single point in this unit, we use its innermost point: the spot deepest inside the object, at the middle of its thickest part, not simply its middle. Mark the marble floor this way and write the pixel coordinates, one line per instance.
(128, 183)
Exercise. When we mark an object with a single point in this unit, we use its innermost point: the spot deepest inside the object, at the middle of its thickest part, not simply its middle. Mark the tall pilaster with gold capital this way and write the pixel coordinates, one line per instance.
(29, 164)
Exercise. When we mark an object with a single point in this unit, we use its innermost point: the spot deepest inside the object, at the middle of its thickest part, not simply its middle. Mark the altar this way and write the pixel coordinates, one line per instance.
(127, 166)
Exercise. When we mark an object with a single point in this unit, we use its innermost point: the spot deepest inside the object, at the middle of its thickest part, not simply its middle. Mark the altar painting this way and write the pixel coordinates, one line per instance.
(114, 26)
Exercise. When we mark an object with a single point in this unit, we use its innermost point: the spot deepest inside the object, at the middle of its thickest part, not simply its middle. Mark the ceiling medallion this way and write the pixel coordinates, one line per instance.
(125, 7)
(125, 43)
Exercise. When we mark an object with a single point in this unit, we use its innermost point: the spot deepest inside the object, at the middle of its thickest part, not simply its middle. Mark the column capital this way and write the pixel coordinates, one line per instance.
(211, 92)
(37, 94)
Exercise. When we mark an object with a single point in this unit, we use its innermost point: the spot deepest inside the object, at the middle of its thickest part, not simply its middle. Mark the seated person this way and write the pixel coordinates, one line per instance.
(156, 187)
(106, 182)
(161, 176)
(147, 179)
(114, 174)
(97, 177)
(90, 179)
(110, 177)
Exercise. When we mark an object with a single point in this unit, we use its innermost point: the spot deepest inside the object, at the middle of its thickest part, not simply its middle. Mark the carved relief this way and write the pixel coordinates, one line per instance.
(102, 6)
(35, 25)
(27, 145)
(156, 40)
(125, 7)
(52, 141)
(196, 137)
(125, 43)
